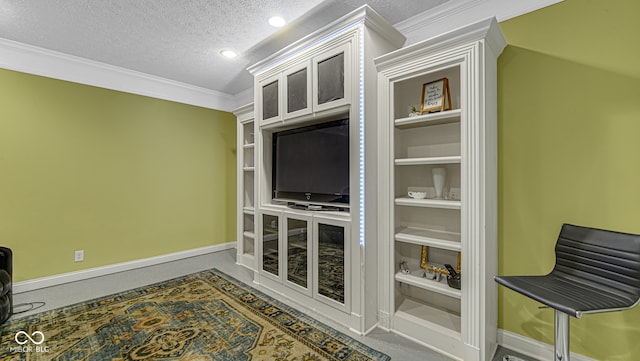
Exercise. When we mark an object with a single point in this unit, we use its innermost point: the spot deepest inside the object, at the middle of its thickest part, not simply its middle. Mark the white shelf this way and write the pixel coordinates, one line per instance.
(249, 234)
(429, 203)
(428, 237)
(248, 210)
(415, 279)
(429, 160)
(249, 169)
(430, 317)
(448, 116)
(249, 146)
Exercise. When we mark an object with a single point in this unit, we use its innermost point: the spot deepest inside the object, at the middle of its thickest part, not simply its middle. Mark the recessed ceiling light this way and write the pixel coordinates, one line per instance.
(276, 21)
(227, 53)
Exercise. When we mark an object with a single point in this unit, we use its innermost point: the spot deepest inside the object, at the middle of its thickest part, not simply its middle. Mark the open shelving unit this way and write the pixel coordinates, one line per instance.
(246, 194)
(456, 225)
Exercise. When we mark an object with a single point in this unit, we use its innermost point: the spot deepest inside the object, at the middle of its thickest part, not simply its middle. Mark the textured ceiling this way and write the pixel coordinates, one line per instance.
(180, 39)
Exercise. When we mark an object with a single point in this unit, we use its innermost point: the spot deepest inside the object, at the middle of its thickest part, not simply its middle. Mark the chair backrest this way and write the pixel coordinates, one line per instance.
(6, 262)
(599, 258)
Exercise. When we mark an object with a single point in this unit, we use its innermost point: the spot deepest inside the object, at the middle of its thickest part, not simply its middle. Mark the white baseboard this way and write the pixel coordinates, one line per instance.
(532, 348)
(59, 279)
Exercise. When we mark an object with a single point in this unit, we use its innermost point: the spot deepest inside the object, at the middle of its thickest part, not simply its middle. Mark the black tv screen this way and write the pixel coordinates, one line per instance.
(311, 164)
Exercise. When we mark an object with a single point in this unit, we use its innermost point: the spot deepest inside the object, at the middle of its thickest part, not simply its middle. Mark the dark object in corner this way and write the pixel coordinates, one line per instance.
(6, 295)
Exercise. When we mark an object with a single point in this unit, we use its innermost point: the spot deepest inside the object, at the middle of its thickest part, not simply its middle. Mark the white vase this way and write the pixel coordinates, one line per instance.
(439, 177)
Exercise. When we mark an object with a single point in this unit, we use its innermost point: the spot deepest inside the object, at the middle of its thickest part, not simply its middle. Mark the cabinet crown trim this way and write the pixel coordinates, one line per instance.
(362, 15)
(486, 30)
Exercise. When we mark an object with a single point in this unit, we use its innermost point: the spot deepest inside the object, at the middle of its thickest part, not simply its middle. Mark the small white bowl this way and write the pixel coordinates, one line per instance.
(417, 195)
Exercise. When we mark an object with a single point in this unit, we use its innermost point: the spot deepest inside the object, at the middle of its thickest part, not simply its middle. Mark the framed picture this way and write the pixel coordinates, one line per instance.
(436, 96)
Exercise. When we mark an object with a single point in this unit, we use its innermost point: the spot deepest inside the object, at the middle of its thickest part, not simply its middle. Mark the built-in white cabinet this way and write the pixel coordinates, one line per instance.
(438, 192)
(316, 84)
(246, 185)
(307, 253)
(324, 261)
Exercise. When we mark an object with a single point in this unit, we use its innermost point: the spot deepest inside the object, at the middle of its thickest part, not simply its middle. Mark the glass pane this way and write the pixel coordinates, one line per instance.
(270, 100)
(270, 243)
(297, 252)
(297, 90)
(331, 79)
(331, 261)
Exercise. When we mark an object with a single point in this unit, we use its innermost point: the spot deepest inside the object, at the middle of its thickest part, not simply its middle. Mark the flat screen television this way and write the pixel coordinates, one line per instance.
(311, 164)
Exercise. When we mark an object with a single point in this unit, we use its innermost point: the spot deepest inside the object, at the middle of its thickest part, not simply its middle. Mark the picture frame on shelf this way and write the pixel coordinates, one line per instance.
(436, 96)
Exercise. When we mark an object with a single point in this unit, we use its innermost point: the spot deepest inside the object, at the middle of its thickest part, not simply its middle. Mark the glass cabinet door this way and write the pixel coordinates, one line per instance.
(332, 251)
(269, 93)
(270, 100)
(298, 248)
(332, 78)
(297, 90)
(270, 243)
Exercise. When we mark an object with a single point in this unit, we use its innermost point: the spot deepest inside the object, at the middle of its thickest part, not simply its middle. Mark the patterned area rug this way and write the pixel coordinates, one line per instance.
(205, 316)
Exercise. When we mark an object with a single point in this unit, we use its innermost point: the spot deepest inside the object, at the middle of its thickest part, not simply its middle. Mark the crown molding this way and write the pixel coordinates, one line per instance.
(362, 15)
(486, 29)
(43, 62)
(455, 14)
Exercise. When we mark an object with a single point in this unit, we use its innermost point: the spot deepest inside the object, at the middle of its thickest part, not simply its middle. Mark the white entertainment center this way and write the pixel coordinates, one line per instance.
(345, 262)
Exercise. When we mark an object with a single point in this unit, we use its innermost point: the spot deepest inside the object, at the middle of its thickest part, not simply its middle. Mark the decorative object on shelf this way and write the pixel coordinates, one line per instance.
(439, 176)
(453, 194)
(431, 275)
(423, 258)
(436, 96)
(453, 280)
(417, 195)
(413, 111)
(404, 268)
(429, 272)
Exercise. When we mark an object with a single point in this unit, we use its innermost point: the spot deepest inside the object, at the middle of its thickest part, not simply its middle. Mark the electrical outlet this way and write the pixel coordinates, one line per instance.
(79, 256)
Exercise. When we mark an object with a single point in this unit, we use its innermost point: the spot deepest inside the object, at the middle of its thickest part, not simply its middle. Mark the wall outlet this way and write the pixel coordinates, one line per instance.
(79, 256)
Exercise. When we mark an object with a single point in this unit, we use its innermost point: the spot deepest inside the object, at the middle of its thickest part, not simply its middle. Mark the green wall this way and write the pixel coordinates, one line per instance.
(121, 176)
(569, 152)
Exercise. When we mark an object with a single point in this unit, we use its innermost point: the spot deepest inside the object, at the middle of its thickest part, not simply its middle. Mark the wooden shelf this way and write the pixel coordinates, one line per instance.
(415, 279)
(429, 160)
(431, 238)
(449, 116)
(419, 313)
(429, 203)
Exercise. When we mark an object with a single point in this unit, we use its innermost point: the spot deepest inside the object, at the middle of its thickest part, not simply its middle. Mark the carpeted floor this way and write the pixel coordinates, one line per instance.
(199, 317)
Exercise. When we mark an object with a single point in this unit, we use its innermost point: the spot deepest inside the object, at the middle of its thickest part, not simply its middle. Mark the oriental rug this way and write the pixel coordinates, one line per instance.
(205, 316)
